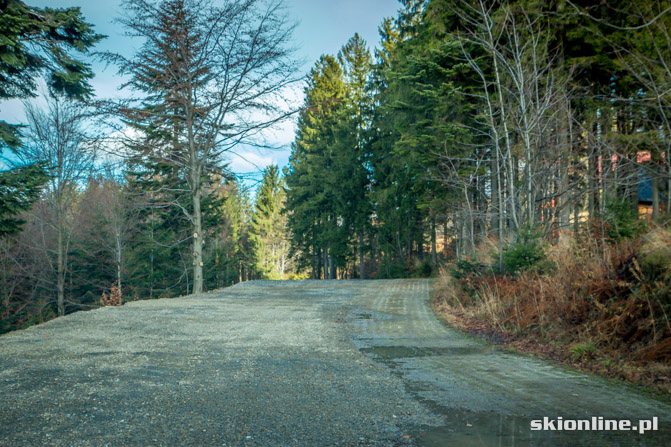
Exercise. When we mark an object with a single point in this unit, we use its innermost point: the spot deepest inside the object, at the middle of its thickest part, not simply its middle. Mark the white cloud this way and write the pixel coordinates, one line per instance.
(249, 160)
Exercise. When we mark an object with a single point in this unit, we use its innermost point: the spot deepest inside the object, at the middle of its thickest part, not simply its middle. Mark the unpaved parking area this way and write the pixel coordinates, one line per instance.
(303, 363)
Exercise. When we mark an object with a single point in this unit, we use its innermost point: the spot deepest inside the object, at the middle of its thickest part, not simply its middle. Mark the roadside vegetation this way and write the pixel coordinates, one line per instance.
(594, 301)
(109, 200)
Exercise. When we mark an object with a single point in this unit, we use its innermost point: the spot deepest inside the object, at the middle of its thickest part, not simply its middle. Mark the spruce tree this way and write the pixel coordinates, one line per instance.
(351, 148)
(313, 187)
(204, 70)
(269, 230)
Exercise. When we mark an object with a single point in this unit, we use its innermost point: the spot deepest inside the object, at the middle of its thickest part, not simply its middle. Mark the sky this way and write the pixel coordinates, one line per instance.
(323, 27)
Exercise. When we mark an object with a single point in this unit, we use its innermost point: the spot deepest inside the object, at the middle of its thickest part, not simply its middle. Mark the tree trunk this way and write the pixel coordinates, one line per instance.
(668, 183)
(495, 202)
(326, 264)
(576, 215)
(60, 268)
(565, 144)
(445, 242)
(409, 238)
(593, 185)
(655, 195)
(399, 247)
(420, 241)
(362, 265)
(434, 255)
(197, 244)
(332, 270)
(118, 263)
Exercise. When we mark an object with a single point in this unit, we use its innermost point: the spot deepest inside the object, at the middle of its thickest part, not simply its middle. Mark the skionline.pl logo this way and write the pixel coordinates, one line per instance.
(595, 423)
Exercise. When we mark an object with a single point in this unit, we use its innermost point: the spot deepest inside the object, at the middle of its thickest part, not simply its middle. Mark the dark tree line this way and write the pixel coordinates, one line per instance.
(481, 120)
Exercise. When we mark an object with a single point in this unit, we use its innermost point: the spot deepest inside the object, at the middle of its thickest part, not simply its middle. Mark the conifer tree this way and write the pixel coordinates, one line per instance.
(330, 162)
(352, 158)
(313, 189)
(36, 42)
(230, 251)
(269, 230)
(212, 76)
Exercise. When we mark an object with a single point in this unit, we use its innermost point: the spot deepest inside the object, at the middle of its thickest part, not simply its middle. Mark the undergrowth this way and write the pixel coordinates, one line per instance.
(602, 303)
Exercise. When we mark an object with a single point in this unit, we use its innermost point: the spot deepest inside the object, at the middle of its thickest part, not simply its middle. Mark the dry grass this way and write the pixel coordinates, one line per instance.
(614, 298)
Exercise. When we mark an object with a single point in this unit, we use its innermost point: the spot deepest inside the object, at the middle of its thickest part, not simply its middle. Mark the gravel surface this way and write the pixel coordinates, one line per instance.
(259, 364)
(301, 363)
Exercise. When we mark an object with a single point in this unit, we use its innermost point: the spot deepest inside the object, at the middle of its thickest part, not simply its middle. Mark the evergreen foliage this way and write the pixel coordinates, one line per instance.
(19, 188)
(269, 231)
(313, 189)
(205, 71)
(471, 122)
(527, 252)
(329, 173)
(35, 42)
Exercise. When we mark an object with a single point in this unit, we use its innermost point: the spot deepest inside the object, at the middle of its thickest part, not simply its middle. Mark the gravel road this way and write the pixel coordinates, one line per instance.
(301, 363)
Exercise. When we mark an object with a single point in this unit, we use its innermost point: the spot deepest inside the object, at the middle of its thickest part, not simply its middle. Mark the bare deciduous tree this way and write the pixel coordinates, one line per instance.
(57, 136)
(213, 78)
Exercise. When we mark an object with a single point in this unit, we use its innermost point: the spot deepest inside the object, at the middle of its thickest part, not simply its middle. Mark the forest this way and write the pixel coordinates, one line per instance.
(517, 150)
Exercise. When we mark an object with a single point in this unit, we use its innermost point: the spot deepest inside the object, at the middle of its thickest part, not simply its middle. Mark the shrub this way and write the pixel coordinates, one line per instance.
(656, 255)
(298, 276)
(621, 219)
(657, 264)
(390, 270)
(527, 252)
(423, 269)
(113, 299)
(463, 268)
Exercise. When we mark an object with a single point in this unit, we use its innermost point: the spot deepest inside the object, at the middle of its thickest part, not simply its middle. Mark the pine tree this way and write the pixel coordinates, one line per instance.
(313, 189)
(269, 229)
